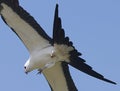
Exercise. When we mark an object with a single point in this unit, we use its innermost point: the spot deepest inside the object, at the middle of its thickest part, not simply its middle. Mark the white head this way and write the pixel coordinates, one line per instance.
(28, 66)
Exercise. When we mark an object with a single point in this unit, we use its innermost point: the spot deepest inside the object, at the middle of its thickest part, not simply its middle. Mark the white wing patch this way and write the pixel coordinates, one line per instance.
(29, 36)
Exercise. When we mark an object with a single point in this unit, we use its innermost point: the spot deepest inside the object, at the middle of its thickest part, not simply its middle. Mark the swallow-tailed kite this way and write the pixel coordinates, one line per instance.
(51, 56)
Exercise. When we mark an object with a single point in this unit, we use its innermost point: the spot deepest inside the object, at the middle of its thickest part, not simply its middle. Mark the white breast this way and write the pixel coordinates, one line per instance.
(41, 57)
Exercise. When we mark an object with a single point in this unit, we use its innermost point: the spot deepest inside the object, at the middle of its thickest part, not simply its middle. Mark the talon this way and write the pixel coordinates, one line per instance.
(39, 71)
(48, 65)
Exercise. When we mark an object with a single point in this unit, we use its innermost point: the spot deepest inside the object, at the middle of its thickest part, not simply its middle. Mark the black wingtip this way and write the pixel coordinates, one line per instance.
(56, 11)
(57, 5)
(79, 64)
(109, 81)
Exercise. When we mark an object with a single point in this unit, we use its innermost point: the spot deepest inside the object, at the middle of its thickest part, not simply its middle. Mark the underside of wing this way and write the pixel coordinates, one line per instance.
(59, 77)
(24, 25)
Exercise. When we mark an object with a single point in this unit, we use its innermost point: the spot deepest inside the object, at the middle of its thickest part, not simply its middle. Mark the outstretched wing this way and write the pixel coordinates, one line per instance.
(59, 77)
(24, 25)
(75, 61)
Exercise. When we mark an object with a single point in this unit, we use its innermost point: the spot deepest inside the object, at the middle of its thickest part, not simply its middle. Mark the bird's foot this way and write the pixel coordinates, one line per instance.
(48, 65)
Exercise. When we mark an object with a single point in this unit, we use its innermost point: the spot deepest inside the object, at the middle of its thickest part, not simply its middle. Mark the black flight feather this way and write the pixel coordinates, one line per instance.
(80, 64)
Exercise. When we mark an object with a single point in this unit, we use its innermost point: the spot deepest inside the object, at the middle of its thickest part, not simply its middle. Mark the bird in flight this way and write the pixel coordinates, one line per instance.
(50, 56)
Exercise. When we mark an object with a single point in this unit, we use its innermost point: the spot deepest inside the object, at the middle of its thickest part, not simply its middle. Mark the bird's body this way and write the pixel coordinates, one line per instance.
(51, 56)
(38, 59)
(48, 57)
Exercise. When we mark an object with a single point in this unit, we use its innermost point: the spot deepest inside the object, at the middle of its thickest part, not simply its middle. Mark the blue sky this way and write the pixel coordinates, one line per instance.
(92, 25)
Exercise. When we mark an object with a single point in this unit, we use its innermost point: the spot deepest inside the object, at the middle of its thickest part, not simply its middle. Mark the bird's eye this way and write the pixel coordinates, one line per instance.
(24, 67)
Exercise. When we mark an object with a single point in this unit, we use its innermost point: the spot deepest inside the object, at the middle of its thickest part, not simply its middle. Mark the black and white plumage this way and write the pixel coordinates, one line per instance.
(50, 56)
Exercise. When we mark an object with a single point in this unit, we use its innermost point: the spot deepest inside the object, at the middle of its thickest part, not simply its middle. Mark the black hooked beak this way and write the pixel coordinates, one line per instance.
(25, 70)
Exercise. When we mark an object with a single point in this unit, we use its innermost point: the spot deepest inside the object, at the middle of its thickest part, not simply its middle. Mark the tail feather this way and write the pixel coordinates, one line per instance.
(80, 64)
(77, 62)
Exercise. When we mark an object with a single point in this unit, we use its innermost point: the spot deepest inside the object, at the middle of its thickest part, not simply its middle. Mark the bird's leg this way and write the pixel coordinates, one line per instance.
(48, 65)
